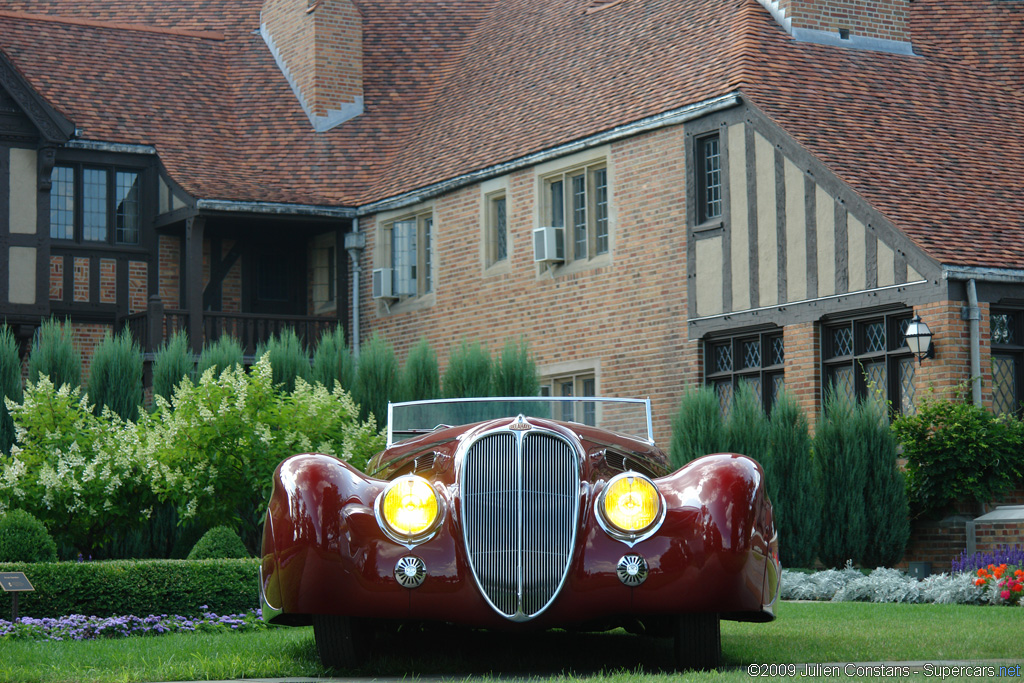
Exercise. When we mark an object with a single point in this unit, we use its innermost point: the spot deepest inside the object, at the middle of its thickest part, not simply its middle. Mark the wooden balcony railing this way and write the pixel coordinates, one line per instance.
(154, 325)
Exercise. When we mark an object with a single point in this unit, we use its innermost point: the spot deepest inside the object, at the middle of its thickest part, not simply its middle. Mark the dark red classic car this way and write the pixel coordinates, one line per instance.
(520, 522)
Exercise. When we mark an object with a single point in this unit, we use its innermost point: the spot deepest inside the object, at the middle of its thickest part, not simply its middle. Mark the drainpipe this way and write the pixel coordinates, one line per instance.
(355, 242)
(973, 315)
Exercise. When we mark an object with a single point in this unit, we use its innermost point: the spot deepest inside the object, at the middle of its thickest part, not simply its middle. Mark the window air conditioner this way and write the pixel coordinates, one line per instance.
(382, 284)
(549, 244)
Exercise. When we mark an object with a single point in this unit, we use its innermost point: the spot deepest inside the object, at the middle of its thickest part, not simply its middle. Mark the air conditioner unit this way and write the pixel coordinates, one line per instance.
(382, 284)
(549, 244)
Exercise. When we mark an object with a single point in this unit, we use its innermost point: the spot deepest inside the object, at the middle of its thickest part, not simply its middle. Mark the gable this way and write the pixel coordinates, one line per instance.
(24, 115)
(792, 243)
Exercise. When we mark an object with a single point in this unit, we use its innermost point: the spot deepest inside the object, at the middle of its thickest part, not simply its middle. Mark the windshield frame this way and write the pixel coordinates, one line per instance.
(646, 402)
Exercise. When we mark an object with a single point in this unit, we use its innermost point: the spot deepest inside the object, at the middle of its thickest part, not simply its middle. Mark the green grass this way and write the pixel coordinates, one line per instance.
(841, 632)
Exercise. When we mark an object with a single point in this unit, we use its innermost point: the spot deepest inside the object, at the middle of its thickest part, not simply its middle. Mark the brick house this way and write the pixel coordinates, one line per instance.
(656, 194)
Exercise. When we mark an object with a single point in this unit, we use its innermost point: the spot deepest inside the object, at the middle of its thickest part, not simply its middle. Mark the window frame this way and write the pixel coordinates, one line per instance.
(578, 199)
(423, 233)
(863, 353)
(111, 207)
(496, 237)
(1012, 349)
(582, 384)
(766, 374)
(702, 203)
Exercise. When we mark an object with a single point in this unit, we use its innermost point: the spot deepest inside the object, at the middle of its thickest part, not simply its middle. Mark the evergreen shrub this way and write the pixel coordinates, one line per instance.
(139, 587)
(220, 542)
(747, 426)
(887, 515)
(222, 355)
(289, 359)
(23, 538)
(793, 484)
(376, 379)
(332, 361)
(842, 462)
(10, 385)
(174, 362)
(468, 373)
(697, 428)
(420, 376)
(515, 370)
(53, 355)
(115, 376)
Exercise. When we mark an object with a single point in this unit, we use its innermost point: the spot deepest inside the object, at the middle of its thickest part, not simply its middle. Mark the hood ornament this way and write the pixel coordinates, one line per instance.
(520, 424)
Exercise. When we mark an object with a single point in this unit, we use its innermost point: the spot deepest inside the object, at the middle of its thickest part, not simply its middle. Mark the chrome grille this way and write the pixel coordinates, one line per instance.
(519, 510)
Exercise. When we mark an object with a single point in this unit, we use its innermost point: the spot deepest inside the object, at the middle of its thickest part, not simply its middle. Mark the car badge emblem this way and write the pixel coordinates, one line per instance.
(520, 424)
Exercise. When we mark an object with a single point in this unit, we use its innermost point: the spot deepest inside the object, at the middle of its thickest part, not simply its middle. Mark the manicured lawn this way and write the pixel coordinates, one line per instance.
(841, 632)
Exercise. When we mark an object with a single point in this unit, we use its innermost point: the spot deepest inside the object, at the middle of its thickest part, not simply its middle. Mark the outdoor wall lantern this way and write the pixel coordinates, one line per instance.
(919, 339)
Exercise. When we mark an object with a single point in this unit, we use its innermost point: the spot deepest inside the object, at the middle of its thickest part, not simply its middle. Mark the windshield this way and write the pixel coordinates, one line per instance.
(629, 416)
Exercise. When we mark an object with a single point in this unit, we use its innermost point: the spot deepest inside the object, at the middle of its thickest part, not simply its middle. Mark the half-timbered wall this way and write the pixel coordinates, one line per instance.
(792, 244)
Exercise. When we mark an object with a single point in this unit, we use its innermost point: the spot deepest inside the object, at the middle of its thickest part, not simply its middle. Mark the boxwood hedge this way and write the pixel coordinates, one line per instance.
(135, 587)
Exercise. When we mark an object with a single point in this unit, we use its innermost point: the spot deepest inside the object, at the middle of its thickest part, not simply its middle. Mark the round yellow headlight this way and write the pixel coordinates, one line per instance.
(409, 506)
(631, 503)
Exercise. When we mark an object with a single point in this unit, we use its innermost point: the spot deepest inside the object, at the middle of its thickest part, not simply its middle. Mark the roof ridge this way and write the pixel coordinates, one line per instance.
(204, 35)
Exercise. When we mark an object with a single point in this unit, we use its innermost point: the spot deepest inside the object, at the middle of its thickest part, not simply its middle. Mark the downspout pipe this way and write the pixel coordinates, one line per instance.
(355, 243)
(973, 315)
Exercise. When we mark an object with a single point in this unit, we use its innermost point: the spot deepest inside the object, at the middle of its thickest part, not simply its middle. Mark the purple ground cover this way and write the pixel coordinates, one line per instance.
(1013, 556)
(81, 627)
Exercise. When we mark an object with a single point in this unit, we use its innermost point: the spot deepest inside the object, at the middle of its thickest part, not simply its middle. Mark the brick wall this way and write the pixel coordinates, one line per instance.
(170, 271)
(321, 47)
(87, 337)
(627, 319)
(803, 369)
(990, 536)
(881, 19)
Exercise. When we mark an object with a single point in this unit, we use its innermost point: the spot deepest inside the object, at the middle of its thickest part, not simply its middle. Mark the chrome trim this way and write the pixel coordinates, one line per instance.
(267, 611)
(410, 571)
(513, 550)
(409, 542)
(646, 402)
(632, 570)
(629, 538)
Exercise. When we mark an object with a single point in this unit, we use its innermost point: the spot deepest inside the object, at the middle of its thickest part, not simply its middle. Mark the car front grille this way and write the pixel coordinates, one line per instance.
(520, 500)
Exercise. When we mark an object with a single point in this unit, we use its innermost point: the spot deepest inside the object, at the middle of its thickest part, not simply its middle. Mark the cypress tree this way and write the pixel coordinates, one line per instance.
(697, 428)
(420, 377)
(223, 354)
(289, 359)
(468, 373)
(53, 355)
(842, 462)
(747, 426)
(173, 363)
(793, 484)
(10, 385)
(115, 376)
(885, 493)
(333, 362)
(515, 371)
(376, 379)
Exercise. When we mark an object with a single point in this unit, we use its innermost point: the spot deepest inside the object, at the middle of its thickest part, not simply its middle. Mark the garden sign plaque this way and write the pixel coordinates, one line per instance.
(15, 582)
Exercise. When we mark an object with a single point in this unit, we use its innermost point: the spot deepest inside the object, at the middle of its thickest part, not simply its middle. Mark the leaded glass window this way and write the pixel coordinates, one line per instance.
(869, 358)
(96, 204)
(578, 200)
(410, 243)
(601, 210)
(1007, 335)
(755, 359)
(709, 179)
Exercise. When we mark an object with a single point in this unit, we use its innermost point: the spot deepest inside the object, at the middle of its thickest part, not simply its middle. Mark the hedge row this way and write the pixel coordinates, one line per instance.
(135, 587)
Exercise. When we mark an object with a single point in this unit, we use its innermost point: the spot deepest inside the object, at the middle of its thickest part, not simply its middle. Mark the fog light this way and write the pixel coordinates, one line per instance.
(410, 572)
(632, 570)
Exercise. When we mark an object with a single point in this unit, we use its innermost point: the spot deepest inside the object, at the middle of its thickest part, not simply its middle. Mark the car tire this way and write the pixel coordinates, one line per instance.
(698, 641)
(341, 642)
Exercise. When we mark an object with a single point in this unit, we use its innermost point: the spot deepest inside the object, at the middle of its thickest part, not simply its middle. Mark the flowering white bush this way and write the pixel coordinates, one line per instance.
(83, 476)
(222, 438)
(210, 452)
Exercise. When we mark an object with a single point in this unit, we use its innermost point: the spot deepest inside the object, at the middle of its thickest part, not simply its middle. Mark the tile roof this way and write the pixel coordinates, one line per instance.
(935, 141)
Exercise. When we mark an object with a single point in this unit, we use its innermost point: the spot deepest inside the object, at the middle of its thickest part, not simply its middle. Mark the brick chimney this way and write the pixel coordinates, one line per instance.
(880, 25)
(318, 45)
